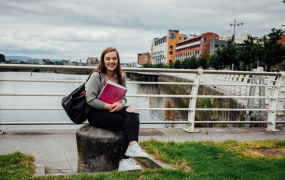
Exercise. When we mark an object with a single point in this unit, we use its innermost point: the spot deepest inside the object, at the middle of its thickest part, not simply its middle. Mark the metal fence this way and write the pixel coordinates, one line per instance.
(234, 81)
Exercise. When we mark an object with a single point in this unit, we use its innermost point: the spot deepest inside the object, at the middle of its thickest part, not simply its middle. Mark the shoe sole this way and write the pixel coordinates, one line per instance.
(137, 156)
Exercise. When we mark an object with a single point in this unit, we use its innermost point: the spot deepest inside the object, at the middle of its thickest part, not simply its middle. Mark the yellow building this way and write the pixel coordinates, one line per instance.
(163, 49)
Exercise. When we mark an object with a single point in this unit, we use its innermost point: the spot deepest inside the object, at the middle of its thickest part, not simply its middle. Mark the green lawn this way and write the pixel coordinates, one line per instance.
(16, 165)
(193, 160)
(224, 160)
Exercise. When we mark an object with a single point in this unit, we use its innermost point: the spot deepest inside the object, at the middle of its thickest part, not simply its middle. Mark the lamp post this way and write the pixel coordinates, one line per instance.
(235, 24)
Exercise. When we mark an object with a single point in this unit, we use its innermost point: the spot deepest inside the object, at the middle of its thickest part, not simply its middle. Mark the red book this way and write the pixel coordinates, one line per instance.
(112, 92)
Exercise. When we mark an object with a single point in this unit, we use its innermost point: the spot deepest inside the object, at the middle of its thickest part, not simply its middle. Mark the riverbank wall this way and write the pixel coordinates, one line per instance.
(208, 103)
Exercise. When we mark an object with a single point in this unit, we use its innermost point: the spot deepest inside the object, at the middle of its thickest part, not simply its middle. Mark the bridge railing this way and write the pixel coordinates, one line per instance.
(223, 79)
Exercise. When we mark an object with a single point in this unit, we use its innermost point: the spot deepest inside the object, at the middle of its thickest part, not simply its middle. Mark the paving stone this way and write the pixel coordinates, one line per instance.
(31, 139)
(9, 145)
(63, 164)
(74, 169)
(71, 154)
(67, 140)
(73, 161)
(52, 150)
(54, 157)
(7, 151)
(70, 148)
(30, 147)
(39, 163)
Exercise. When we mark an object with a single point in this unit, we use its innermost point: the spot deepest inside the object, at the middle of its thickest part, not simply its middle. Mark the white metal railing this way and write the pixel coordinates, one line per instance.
(232, 81)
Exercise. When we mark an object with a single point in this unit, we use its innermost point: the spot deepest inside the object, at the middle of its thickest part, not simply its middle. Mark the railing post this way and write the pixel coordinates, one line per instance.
(192, 103)
(273, 104)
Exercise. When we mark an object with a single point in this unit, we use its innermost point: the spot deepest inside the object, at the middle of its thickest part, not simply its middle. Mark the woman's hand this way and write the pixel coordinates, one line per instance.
(117, 106)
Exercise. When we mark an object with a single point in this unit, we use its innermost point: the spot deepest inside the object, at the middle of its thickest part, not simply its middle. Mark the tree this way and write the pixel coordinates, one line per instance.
(185, 63)
(246, 51)
(214, 62)
(203, 60)
(177, 64)
(273, 52)
(146, 65)
(2, 58)
(228, 54)
(170, 65)
(193, 62)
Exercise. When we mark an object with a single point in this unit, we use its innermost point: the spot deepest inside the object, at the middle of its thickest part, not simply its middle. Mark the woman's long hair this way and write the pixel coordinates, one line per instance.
(102, 68)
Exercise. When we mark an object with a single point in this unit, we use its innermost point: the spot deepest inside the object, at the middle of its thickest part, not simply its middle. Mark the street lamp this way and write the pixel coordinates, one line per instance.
(236, 24)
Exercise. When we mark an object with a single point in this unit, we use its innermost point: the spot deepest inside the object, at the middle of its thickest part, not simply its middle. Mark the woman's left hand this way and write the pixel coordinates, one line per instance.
(116, 107)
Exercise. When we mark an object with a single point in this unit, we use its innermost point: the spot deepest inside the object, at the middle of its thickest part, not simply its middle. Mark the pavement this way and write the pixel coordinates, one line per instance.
(55, 151)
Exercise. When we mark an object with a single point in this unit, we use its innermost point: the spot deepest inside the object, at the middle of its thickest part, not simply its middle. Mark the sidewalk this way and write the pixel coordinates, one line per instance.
(56, 151)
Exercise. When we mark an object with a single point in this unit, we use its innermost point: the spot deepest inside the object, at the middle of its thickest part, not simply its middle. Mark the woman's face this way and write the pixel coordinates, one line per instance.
(111, 61)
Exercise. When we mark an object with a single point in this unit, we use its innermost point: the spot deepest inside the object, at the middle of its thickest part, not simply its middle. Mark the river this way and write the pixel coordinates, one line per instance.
(66, 88)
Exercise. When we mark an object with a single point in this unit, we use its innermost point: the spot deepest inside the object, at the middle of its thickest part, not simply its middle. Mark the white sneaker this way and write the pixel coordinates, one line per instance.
(129, 165)
(135, 151)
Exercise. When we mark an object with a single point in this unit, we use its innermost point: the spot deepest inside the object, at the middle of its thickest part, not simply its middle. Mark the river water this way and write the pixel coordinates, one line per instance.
(66, 88)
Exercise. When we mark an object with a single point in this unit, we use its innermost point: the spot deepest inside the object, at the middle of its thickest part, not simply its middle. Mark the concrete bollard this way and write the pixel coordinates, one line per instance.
(98, 150)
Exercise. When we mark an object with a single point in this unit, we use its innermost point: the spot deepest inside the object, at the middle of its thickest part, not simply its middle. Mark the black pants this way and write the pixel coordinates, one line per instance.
(117, 121)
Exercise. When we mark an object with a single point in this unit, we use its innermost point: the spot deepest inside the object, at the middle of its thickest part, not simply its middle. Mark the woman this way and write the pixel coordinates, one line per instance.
(116, 116)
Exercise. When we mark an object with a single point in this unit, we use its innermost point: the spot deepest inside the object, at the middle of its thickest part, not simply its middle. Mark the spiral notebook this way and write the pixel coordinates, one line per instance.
(112, 92)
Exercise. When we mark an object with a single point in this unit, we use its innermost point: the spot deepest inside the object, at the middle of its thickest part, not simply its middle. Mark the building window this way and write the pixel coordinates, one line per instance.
(179, 37)
(216, 45)
(222, 45)
(170, 52)
(171, 47)
(172, 36)
(170, 61)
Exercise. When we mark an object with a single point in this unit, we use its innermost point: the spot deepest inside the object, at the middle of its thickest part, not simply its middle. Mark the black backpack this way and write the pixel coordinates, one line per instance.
(75, 105)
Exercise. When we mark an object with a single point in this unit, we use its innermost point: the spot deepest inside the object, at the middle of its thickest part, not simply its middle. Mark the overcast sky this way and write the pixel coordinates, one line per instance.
(74, 30)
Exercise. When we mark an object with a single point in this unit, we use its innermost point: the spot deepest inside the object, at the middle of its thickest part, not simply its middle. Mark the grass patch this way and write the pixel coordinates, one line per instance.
(221, 160)
(16, 165)
(147, 174)
(193, 160)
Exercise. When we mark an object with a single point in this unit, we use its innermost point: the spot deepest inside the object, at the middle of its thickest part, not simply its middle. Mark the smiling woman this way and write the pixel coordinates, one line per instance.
(116, 116)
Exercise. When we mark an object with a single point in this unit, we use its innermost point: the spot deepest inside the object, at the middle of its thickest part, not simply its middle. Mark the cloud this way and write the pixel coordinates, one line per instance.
(77, 29)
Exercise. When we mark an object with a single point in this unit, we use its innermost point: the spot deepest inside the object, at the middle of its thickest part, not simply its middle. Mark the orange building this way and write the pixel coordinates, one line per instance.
(143, 58)
(282, 40)
(196, 45)
(163, 49)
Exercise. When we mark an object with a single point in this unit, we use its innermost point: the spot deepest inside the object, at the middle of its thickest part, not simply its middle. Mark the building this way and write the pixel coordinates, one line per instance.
(92, 61)
(67, 62)
(239, 38)
(13, 61)
(74, 63)
(128, 64)
(143, 58)
(163, 49)
(282, 40)
(194, 45)
(31, 61)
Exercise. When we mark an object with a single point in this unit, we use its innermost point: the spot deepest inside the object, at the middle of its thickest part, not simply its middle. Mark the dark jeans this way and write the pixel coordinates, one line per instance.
(117, 121)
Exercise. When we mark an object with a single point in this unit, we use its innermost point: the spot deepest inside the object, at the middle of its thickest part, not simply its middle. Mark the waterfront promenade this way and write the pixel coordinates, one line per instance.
(55, 151)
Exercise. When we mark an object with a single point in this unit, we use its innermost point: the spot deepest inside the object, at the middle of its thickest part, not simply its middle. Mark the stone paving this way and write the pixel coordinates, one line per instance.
(55, 151)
